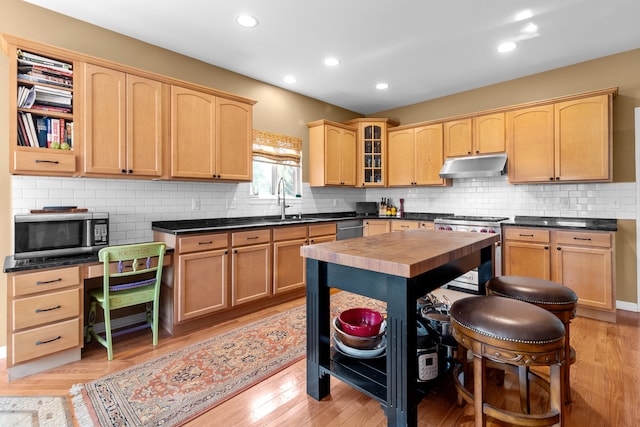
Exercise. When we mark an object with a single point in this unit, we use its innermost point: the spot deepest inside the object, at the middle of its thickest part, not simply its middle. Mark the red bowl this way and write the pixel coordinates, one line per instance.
(360, 322)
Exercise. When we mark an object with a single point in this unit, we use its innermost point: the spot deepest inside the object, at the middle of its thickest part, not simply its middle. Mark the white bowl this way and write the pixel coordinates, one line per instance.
(359, 353)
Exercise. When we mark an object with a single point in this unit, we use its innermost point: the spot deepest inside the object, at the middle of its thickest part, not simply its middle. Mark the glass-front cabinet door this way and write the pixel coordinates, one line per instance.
(372, 150)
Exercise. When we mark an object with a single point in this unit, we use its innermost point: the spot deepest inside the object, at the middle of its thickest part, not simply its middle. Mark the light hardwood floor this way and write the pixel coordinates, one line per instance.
(605, 383)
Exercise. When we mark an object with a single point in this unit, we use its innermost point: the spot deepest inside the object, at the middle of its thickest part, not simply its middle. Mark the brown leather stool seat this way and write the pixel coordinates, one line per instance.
(546, 294)
(512, 333)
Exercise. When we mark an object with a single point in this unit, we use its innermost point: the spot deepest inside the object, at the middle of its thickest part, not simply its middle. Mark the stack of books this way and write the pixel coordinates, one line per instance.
(41, 69)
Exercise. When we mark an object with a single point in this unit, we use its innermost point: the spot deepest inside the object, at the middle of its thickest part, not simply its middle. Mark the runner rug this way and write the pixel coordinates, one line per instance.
(174, 388)
(35, 411)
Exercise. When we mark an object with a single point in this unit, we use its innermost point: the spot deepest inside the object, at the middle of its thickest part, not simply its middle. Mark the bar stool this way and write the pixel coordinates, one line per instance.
(510, 333)
(546, 294)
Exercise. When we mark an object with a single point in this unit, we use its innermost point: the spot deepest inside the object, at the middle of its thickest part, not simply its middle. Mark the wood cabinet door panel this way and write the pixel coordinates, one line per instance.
(429, 155)
(458, 138)
(202, 283)
(192, 134)
(582, 139)
(489, 134)
(251, 273)
(288, 265)
(588, 272)
(104, 120)
(348, 160)
(144, 126)
(530, 148)
(375, 227)
(333, 155)
(234, 140)
(527, 259)
(401, 169)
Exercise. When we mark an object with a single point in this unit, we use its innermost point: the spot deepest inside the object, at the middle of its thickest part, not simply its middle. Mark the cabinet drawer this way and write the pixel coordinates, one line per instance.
(44, 161)
(44, 281)
(289, 233)
(526, 234)
(47, 308)
(581, 238)
(427, 225)
(322, 229)
(42, 341)
(251, 237)
(400, 225)
(202, 242)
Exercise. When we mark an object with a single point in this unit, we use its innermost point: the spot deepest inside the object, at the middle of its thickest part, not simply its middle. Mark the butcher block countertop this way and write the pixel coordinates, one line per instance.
(405, 254)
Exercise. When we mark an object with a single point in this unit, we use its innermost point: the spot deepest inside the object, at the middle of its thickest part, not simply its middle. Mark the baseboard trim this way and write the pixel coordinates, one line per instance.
(628, 306)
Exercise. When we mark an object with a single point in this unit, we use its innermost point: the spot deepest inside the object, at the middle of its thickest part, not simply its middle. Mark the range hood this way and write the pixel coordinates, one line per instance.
(475, 166)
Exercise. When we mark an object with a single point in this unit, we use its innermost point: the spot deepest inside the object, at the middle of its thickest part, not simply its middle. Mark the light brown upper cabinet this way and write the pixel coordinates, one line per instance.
(210, 136)
(416, 156)
(122, 123)
(475, 135)
(562, 142)
(29, 155)
(332, 154)
(372, 150)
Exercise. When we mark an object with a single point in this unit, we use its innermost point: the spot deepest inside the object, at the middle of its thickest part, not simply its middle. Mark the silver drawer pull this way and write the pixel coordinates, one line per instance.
(48, 341)
(42, 310)
(46, 282)
(55, 162)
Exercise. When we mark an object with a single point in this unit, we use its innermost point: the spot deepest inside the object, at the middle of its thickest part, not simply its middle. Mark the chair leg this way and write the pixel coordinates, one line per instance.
(479, 372)
(523, 380)
(152, 320)
(107, 334)
(90, 322)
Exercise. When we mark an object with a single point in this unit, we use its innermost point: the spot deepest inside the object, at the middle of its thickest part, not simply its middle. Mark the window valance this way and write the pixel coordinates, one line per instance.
(276, 148)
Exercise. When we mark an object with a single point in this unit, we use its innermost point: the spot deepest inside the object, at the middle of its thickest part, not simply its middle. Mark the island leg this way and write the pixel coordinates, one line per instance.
(402, 369)
(318, 312)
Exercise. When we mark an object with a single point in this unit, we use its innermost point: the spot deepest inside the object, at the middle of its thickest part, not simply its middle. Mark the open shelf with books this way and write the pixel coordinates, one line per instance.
(42, 97)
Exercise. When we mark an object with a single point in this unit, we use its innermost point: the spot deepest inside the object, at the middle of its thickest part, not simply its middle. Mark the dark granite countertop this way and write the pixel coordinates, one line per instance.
(587, 224)
(12, 265)
(225, 224)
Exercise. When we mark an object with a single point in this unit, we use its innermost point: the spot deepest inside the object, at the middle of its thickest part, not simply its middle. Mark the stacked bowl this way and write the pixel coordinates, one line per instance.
(359, 332)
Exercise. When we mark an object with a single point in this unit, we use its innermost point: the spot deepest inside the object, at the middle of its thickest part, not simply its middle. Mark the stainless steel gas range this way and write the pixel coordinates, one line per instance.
(474, 280)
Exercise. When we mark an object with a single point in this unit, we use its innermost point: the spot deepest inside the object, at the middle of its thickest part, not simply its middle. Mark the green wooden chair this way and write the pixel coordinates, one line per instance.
(137, 281)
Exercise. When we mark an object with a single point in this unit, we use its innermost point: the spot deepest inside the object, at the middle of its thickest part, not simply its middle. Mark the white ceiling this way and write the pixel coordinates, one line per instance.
(423, 49)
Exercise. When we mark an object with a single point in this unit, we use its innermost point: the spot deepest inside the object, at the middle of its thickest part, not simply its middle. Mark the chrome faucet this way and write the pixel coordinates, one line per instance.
(282, 203)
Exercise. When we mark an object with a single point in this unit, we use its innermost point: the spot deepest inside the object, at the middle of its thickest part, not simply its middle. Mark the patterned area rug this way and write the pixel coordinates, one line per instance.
(35, 411)
(172, 389)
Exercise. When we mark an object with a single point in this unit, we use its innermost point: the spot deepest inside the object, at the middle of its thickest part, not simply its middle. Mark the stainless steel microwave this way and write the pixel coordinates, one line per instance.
(59, 234)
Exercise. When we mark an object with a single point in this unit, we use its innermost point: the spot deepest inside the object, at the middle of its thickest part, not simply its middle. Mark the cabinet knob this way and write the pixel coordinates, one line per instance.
(558, 248)
(130, 170)
(123, 170)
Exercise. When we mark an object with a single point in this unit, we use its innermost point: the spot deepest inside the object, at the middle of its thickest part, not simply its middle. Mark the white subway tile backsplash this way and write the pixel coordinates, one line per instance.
(134, 204)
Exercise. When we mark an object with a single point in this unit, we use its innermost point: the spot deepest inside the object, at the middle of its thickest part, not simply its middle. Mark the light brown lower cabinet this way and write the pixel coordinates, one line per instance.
(402, 225)
(202, 275)
(250, 266)
(44, 314)
(373, 227)
(288, 264)
(580, 260)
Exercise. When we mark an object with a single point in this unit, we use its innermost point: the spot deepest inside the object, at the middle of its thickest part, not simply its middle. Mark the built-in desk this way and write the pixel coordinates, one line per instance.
(45, 310)
(396, 268)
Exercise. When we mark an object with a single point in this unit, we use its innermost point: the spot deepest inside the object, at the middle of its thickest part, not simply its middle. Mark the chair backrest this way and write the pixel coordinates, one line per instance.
(137, 265)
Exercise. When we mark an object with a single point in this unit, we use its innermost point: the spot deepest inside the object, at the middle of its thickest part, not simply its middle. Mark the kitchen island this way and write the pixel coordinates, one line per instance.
(396, 268)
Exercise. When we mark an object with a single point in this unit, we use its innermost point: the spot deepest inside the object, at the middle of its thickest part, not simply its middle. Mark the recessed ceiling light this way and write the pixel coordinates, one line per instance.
(507, 47)
(530, 28)
(289, 79)
(525, 14)
(247, 21)
(331, 62)
(382, 86)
